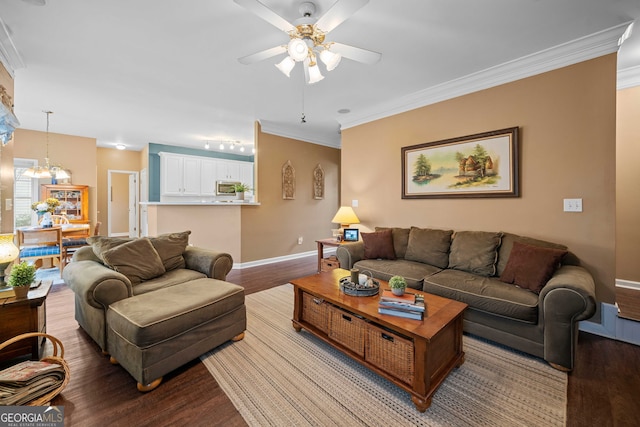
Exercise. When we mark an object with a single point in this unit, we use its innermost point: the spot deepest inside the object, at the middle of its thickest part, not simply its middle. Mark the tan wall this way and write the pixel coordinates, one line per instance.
(272, 229)
(75, 153)
(6, 165)
(627, 180)
(120, 160)
(215, 228)
(567, 122)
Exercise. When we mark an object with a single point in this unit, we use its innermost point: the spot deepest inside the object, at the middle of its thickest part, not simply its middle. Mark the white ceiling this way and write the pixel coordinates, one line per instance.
(162, 71)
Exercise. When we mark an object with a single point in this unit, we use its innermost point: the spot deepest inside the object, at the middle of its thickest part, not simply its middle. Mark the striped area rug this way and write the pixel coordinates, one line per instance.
(278, 377)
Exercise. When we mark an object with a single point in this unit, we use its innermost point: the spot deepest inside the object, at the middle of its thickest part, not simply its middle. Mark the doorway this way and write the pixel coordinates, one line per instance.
(122, 205)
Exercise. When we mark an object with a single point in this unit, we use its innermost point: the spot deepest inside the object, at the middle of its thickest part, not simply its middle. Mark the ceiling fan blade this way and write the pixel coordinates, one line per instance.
(262, 11)
(368, 57)
(338, 13)
(35, 2)
(262, 55)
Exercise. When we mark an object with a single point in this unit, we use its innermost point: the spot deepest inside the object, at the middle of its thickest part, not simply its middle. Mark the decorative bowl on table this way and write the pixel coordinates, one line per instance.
(368, 288)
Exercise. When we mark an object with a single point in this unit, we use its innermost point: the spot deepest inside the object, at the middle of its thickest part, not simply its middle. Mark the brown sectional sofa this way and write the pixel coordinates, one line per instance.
(525, 293)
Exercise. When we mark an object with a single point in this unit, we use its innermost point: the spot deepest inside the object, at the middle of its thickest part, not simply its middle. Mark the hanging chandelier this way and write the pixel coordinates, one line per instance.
(48, 170)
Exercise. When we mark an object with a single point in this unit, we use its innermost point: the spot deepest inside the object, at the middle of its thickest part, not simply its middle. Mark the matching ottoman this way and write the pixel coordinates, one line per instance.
(154, 333)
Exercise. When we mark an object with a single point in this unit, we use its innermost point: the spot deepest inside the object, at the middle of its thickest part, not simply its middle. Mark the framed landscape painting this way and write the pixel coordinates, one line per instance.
(481, 165)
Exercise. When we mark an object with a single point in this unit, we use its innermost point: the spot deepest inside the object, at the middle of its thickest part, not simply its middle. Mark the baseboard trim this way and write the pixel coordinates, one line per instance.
(612, 326)
(240, 266)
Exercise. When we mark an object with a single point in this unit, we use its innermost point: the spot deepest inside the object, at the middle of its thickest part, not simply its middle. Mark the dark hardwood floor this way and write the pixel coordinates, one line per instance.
(603, 388)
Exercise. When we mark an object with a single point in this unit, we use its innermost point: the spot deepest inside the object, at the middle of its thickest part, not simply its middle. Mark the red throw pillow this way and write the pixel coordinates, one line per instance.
(531, 267)
(378, 245)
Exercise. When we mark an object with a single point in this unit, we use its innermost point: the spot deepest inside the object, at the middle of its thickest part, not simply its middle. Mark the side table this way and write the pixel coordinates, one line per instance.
(321, 244)
(19, 316)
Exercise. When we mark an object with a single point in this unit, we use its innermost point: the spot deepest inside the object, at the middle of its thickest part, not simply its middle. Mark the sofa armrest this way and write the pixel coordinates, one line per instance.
(569, 296)
(97, 284)
(216, 265)
(85, 253)
(350, 253)
(572, 291)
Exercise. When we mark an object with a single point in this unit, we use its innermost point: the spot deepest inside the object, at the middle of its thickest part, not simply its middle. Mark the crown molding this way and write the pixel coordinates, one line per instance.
(287, 131)
(9, 55)
(629, 77)
(572, 52)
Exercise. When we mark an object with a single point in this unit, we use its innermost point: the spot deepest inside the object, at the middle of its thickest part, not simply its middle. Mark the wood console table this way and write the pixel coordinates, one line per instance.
(18, 316)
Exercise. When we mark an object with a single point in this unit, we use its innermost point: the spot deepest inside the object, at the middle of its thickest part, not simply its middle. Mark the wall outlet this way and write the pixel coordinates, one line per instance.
(300, 239)
(573, 205)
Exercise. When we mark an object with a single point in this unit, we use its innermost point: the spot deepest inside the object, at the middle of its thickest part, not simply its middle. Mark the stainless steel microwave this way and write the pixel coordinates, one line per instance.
(226, 188)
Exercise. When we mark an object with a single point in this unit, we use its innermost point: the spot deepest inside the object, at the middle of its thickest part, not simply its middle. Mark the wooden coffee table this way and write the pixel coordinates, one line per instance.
(416, 355)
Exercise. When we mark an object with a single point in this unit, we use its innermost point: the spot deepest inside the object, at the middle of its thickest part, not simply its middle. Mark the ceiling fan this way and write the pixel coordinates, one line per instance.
(307, 38)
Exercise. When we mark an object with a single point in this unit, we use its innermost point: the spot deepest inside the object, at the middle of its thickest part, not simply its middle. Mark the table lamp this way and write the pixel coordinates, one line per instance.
(345, 217)
(8, 252)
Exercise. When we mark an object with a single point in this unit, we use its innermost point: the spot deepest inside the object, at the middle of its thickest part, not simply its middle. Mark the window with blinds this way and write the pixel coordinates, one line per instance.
(25, 192)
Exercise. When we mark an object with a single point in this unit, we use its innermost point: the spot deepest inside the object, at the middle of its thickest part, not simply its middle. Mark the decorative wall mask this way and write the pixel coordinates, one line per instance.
(318, 183)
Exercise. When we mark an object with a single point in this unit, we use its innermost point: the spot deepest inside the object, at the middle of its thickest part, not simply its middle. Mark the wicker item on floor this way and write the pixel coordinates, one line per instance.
(57, 357)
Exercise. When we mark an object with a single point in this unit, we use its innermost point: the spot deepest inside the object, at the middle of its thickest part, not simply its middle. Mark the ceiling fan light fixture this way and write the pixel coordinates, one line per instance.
(286, 65)
(297, 49)
(314, 73)
(330, 59)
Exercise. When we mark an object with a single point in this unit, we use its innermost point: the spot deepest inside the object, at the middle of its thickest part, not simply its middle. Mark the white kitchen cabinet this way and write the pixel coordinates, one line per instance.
(179, 175)
(228, 170)
(246, 173)
(208, 176)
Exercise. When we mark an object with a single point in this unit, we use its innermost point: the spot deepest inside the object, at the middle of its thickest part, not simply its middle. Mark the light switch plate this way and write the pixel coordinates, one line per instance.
(8, 204)
(354, 203)
(573, 205)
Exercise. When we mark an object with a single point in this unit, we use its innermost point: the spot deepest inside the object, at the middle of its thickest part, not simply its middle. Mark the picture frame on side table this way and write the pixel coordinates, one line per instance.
(351, 235)
(480, 165)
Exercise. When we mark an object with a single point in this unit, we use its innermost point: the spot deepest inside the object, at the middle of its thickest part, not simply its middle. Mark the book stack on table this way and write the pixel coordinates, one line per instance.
(410, 306)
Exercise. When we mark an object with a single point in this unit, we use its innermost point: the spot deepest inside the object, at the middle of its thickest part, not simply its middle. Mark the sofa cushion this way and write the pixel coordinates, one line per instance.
(531, 267)
(170, 247)
(429, 246)
(158, 316)
(137, 259)
(100, 244)
(475, 252)
(413, 272)
(507, 244)
(400, 239)
(170, 278)
(487, 294)
(378, 245)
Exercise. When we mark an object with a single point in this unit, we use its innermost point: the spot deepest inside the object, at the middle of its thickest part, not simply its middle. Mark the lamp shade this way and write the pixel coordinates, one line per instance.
(8, 250)
(286, 65)
(345, 216)
(330, 59)
(298, 50)
(314, 74)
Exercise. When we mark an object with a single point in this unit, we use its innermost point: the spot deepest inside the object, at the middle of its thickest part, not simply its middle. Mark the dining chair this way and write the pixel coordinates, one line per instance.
(57, 219)
(41, 243)
(71, 245)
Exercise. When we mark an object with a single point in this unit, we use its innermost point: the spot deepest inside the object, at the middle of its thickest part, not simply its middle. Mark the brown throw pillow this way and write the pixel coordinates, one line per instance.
(170, 247)
(400, 239)
(378, 244)
(137, 259)
(531, 267)
(100, 244)
(429, 246)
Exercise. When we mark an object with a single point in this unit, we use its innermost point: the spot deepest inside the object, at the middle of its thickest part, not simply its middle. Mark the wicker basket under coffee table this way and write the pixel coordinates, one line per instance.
(416, 355)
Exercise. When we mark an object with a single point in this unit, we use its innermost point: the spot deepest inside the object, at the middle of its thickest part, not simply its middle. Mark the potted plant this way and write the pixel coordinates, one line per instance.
(240, 189)
(21, 277)
(397, 285)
